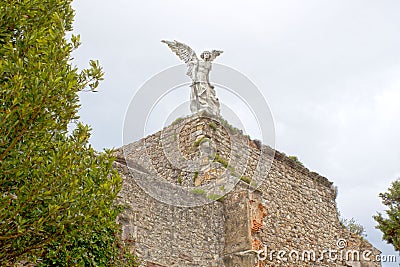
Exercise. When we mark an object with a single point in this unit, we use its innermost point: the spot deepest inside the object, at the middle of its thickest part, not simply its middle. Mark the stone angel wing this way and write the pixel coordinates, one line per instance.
(183, 51)
(215, 53)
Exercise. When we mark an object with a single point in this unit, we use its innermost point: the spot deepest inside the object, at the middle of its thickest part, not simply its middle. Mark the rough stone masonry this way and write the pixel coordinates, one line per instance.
(254, 206)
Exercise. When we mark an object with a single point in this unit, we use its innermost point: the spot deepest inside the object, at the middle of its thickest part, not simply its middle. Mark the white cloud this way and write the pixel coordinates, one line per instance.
(388, 106)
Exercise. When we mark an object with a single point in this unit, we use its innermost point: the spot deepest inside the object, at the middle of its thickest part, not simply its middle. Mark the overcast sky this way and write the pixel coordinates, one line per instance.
(330, 71)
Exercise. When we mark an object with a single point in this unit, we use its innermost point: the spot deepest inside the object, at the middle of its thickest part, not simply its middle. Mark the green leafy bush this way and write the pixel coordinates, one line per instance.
(353, 226)
(216, 197)
(221, 160)
(213, 126)
(295, 159)
(246, 179)
(198, 191)
(390, 224)
(199, 141)
(57, 193)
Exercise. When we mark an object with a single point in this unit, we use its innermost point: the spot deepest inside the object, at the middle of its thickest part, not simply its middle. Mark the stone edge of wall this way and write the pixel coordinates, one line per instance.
(280, 156)
(297, 166)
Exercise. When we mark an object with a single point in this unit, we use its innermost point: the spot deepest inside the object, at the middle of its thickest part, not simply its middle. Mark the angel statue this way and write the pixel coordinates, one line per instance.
(202, 97)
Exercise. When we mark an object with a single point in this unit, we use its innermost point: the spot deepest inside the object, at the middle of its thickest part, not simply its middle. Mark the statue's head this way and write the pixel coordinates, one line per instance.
(206, 55)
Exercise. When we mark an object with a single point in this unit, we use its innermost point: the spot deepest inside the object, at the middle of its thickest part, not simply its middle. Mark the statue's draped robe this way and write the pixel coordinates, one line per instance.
(203, 96)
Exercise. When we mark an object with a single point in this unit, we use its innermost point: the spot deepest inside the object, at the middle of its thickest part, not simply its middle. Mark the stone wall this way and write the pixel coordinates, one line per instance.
(271, 211)
(168, 235)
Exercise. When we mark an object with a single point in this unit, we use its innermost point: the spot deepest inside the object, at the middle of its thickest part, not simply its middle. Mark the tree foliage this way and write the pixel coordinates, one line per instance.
(57, 193)
(390, 225)
(353, 226)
